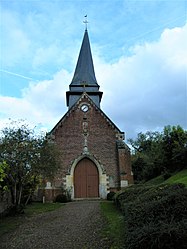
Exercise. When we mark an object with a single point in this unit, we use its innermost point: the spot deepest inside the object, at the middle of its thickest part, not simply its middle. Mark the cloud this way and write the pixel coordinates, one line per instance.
(37, 40)
(42, 102)
(49, 95)
(147, 90)
(143, 91)
(15, 44)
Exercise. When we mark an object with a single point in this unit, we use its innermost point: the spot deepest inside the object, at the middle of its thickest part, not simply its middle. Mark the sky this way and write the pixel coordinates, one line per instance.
(139, 50)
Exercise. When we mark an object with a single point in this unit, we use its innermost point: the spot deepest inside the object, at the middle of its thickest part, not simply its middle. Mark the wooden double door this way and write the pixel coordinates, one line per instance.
(86, 179)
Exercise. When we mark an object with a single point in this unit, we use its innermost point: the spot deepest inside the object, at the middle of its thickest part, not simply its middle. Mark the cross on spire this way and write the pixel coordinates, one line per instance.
(85, 22)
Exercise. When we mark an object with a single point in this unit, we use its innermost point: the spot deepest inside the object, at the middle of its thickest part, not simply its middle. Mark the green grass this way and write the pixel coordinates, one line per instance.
(115, 224)
(180, 177)
(8, 224)
(155, 181)
(37, 208)
(115, 220)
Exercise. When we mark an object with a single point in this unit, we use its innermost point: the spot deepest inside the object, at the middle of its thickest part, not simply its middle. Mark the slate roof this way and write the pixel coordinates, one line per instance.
(84, 71)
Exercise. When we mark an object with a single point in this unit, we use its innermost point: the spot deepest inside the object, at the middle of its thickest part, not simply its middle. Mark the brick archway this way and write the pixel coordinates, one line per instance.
(86, 179)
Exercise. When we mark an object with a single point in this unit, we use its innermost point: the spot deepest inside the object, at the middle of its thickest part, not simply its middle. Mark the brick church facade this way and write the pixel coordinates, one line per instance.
(94, 157)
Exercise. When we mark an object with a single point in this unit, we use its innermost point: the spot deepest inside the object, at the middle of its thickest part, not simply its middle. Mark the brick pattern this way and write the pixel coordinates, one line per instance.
(93, 130)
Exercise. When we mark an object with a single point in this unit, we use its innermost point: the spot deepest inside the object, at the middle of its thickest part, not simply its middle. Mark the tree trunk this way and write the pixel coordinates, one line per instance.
(20, 194)
(12, 195)
(15, 194)
(28, 198)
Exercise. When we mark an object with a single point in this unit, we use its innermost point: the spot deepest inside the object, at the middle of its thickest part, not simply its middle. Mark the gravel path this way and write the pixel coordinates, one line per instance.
(75, 225)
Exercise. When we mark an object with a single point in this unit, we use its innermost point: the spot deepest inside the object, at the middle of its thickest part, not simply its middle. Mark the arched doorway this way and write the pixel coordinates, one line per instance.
(86, 179)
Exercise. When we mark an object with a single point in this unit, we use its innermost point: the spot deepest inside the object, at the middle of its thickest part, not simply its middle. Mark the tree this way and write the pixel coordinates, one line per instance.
(147, 158)
(25, 160)
(174, 148)
(158, 153)
(3, 169)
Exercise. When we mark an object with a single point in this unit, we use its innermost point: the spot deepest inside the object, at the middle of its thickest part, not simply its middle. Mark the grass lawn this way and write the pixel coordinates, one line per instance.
(37, 208)
(115, 220)
(155, 181)
(8, 224)
(180, 177)
(115, 224)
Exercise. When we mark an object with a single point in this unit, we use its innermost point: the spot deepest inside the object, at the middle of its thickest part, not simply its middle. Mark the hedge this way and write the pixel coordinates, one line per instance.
(155, 217)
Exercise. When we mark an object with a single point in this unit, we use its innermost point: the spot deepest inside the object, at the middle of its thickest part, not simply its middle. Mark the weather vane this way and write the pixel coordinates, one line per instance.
(86, 22)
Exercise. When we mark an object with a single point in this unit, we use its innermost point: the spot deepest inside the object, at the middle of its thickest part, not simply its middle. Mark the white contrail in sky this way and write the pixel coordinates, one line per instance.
(155, 29)
(16, 74)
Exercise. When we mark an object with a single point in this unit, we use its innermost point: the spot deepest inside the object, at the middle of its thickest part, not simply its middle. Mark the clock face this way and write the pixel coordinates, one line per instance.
(84, 108)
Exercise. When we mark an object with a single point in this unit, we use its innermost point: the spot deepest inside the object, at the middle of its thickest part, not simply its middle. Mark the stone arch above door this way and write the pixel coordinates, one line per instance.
(92, 158)
(103, 179)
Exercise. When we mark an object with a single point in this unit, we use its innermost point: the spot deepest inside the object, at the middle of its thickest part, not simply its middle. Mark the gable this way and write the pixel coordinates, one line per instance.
(85, 99)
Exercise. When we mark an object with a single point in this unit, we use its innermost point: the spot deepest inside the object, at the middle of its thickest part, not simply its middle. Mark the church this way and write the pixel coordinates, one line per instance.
(94, 157)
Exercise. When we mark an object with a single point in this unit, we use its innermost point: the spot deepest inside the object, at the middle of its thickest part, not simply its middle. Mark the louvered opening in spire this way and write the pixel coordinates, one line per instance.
(84, 72)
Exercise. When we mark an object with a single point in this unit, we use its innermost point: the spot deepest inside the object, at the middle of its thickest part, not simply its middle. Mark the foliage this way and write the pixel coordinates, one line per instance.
(130, 194)
(3, 168)
(155, 216)
(158, 153)
(110, 196)
(25, 160)
(174, 148)
(62, 198)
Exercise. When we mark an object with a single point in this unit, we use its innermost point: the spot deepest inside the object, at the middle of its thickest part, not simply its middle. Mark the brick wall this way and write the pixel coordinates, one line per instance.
(95, 131)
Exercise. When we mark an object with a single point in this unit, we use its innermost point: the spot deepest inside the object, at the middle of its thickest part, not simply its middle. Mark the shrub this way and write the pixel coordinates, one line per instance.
(62, 198)
(14, 210)
(166, 175)
(130, 194)
(158, 236)
(155, 217)
(110, 196)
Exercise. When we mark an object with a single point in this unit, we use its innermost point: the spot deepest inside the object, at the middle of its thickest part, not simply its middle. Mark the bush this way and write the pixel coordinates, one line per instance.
(167, 175)
(155, 217)
(158, 236)
(130, 194)
(62, 198)
(14, 210)
(110, 196)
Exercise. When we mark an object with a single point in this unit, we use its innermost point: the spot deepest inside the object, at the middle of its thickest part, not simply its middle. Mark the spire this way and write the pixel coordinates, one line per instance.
(84, 79)
(84, 72)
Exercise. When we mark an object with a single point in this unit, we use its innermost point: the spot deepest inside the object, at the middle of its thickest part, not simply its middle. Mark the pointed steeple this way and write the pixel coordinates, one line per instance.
(84, 79)
(84, 72)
